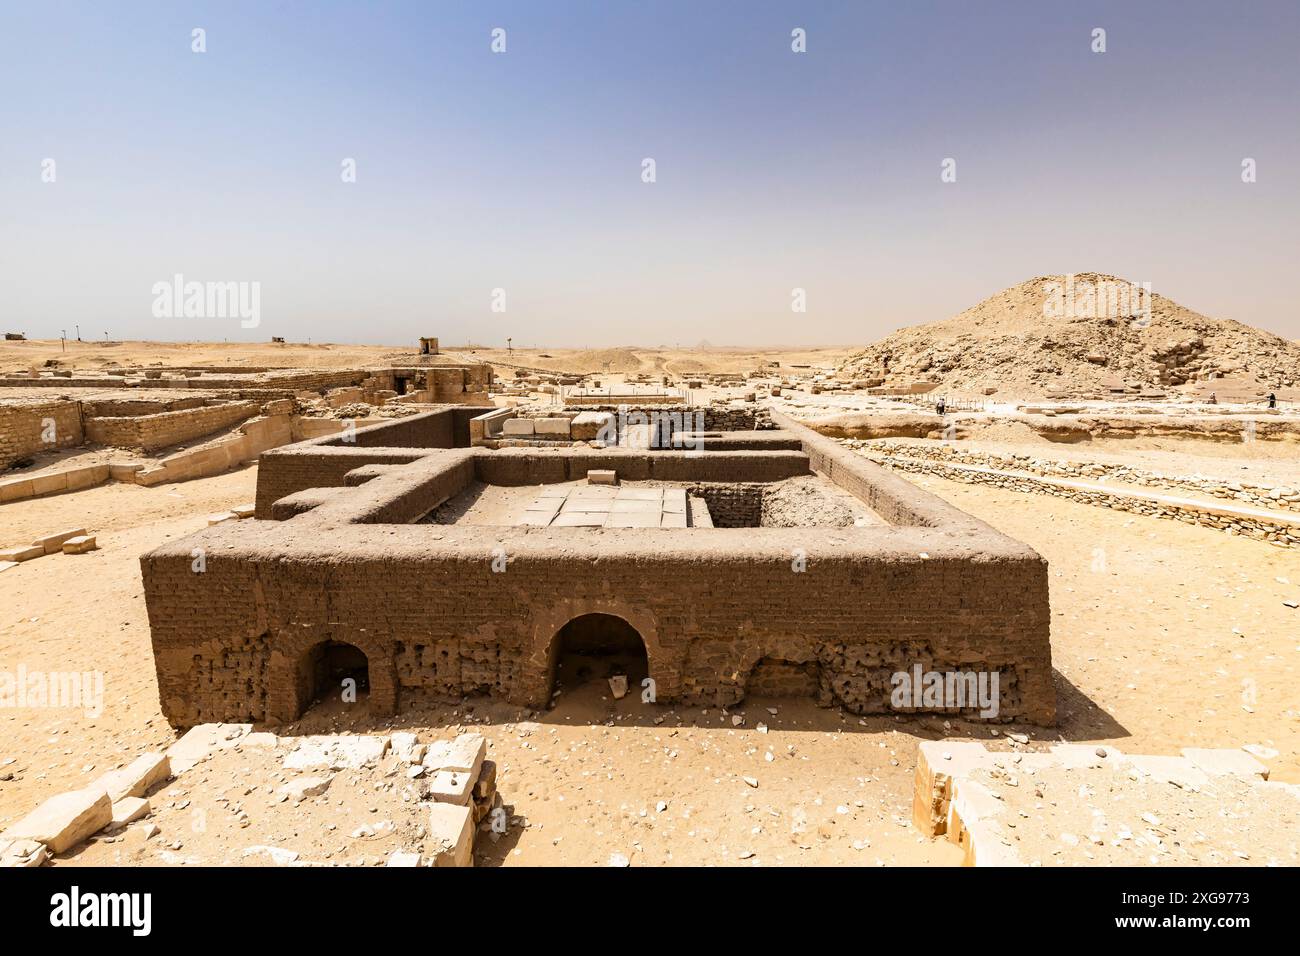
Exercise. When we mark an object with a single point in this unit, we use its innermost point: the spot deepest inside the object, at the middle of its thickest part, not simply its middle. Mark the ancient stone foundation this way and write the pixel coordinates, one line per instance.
(247, 616)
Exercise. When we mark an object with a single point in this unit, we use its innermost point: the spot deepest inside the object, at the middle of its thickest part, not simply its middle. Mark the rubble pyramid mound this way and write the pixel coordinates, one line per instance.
(1080, 333)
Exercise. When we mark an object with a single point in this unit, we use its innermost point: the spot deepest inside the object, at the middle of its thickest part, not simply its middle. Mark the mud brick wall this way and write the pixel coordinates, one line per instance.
(709, 604)
(130, 407)
(434, 613)
(150, 432)
(284, 471)
(25, 428)
(731, 505)
(323, 462)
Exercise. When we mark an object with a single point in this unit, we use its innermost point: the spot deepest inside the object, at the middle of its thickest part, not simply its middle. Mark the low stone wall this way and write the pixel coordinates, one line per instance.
(1283, 497)
(1282, 531)
(27, 428)
(151, 432)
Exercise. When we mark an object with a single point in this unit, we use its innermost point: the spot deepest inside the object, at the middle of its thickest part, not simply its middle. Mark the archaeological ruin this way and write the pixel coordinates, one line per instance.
(461, 552)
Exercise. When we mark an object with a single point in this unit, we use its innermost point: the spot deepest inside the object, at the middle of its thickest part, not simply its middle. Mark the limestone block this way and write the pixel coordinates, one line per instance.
(137, 778)
(451, 835)
(22, 853)
(244, 510)
(80, 544)
(53, 543)
(516, 427)
(221, 516)
(465, 754)
(337, 752)
(551, 427)
(201, 740)
(402, 858)
(128, 810)
(1218, 763)
(486, 784)
(63, 821)
(16, 490)
(25, 553)
(602, 476)
(449, 786)
(588, 426)
(938, 762)
(637, 437)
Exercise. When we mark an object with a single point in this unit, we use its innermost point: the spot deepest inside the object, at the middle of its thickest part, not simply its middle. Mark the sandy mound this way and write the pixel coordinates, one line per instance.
(1081, 333)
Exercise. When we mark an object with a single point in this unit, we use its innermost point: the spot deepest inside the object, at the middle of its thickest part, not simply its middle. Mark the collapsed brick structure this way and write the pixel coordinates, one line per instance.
(245, 614)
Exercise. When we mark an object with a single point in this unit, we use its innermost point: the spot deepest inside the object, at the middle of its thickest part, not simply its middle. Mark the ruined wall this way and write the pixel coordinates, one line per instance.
(708, 609)
(30, 427)
(437, 616)
(150, 432)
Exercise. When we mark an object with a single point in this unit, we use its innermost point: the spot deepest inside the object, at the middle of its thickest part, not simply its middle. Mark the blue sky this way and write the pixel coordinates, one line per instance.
(522, 170)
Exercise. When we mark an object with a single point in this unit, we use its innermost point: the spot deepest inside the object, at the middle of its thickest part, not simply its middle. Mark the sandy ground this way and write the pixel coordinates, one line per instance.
(1165, 635)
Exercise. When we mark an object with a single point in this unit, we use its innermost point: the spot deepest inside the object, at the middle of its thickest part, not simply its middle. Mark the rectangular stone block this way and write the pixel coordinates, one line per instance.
(16, 490)
(451, 835)
(517, 427)
(128, 810)
(63, 821)
(465, 754)
(602, 476)
(937, 763)
(1236, 763)
(24, 553)
(137, 778)
(450, 786)
(22, 854)
(53, 543)
(551, 427)
(49, 484)
(588, 426)
(80, 544)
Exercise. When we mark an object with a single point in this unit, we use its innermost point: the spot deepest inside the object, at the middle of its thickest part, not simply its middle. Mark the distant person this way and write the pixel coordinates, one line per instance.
(939, 407)
(1272, 400)
(1213, 399)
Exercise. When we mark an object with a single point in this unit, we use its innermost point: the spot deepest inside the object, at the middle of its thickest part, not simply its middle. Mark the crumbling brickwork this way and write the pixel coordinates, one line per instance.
(30, 427)
(444, 611)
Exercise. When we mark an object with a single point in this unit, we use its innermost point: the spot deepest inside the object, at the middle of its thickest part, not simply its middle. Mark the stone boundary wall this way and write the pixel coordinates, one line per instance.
(27, 427)
(1265, 496)
(423, 603)
(1283, 531)
(162, 430)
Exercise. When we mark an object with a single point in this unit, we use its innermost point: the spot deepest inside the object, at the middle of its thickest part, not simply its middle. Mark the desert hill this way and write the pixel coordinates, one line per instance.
(1083, 333)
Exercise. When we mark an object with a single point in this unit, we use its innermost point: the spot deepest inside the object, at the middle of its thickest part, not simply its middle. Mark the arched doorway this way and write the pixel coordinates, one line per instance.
(594, 648)
(334, 674)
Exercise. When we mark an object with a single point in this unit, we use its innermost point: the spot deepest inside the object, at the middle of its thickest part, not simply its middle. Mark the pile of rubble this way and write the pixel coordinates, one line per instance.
(1017, 340)
(1084, 805)
(253, 797)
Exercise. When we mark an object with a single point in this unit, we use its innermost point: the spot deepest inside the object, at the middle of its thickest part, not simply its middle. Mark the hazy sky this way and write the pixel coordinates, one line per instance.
(523, 170)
